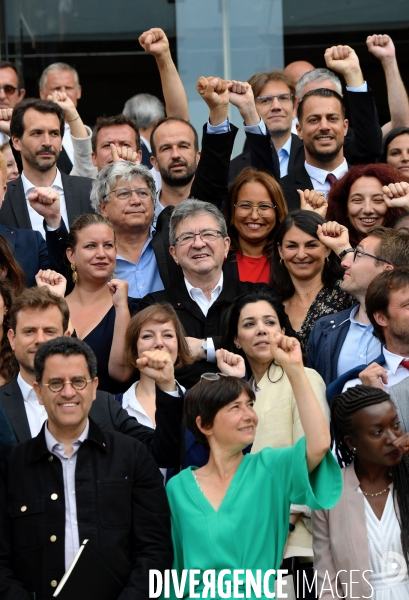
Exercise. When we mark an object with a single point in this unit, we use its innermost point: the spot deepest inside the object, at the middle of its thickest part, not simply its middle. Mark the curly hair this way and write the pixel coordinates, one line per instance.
(308, 222)
(340, 190)
(274, 191)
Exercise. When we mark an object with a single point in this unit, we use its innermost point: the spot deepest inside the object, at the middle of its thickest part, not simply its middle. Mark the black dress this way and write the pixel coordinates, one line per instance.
(100, 340)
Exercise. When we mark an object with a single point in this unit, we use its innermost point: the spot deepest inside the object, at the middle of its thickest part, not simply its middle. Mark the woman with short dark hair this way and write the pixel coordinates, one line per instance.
(233, 513)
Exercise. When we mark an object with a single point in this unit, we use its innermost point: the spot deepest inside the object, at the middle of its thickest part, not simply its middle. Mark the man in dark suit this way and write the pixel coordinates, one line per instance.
(36, 128)
(74, 482)
(199, 245)
(37, 316)
(340, 341)
(322, 127)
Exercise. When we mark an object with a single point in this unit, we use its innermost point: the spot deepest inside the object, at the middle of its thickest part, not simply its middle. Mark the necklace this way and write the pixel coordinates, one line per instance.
(373, 495)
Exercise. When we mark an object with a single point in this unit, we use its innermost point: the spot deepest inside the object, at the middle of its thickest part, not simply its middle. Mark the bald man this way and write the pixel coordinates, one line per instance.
(297, 69)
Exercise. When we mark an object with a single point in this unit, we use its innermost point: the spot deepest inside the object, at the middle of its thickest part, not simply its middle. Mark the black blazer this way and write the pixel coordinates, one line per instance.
(362, 144)
(295, 180)
(163, 443)
(195, 323)
(122, 510)
(28, 248)
(146, 156)
(77, 191)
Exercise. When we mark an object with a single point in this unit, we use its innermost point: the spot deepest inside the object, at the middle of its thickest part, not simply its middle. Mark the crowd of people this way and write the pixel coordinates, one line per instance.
(158, 304)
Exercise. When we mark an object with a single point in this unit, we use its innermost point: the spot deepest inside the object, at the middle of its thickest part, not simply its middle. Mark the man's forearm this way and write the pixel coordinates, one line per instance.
(397, 95)
(172, 88)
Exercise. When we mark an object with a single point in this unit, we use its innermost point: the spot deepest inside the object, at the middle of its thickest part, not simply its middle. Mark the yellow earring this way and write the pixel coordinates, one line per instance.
(74, 272)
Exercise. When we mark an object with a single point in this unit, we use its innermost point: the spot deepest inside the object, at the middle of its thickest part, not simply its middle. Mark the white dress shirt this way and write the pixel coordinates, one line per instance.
(36, 414)
(134, 408)
(69, 463)
(67, 142)
(394, 370)
(35, 218)
(204, 304)
(318, 176)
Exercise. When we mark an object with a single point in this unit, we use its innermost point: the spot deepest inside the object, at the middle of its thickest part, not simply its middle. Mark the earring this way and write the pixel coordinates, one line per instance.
(326, 260)
(237, 345)
(74, 272)
(282, 262)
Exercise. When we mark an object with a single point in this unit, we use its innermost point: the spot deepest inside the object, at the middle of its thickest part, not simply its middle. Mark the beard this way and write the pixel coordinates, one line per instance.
(178, 179)
(324, 156)
(32, 159)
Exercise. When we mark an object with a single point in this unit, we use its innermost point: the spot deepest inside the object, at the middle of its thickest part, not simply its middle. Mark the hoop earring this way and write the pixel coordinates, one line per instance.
(326, 261)
(282, 263)
(237, 346)
(74, 272)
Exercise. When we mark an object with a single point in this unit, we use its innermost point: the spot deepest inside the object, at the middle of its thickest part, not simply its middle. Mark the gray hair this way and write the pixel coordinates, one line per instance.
(108, 177)
(59, 66)
(317, 75)
(191, 208)
(145, 109)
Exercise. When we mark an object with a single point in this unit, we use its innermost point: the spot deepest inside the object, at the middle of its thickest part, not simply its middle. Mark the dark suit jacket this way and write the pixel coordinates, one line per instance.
(295, 180)
(336, 387)
(163, 443)
(146, 156)
(325, 343)
(196, 324)
(249, 158)
(122, 510)
(77, 191)
(28, 248)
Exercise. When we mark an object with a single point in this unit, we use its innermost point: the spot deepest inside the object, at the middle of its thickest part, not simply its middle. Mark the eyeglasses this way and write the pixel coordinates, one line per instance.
(125, 194)
(268, 100)
(264, 209)
(212, 376)
(9, 90)
(207, 235)
(78, 384)
(358, 251)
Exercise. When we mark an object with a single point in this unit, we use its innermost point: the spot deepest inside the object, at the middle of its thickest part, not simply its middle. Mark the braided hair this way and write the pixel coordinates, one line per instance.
(343, 406)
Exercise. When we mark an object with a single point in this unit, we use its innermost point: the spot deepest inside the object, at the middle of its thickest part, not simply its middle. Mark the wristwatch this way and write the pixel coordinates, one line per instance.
(204, 347)
(347, 251)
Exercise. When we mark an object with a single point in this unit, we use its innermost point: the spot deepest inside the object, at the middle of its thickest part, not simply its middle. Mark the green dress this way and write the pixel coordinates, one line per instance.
(250, 529)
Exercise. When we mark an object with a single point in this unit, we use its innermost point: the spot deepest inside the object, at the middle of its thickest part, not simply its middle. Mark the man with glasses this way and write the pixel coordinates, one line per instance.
(199, 245)
(74, 482)
(274, 96)
(37, 316)
(340, 341)
(11, 91)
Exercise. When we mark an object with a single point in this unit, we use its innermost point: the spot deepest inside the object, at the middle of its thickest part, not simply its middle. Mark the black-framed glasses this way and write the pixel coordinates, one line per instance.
(207, 235)
(264, 209)
(77, 383)
(9, 90)
(126, 193)
(358, 251)
(268, 100)
(212, 376)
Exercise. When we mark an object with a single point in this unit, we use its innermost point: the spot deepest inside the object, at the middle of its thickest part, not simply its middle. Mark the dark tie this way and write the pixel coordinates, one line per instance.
(405, 363)
(331, 179)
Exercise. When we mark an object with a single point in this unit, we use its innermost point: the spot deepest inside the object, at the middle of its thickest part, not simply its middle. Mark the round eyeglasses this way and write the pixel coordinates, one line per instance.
(77, 383)
(9, 90)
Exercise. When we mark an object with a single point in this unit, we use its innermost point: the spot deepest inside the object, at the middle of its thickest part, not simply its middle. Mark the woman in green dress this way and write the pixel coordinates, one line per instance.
(233, 513)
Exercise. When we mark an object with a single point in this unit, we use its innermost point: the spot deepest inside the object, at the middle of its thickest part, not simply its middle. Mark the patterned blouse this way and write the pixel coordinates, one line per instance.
(326, 302)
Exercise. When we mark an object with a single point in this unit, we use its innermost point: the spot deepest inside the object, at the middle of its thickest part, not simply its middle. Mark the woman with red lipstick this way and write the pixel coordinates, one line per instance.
(306, 274)
(365, 537)
(99, 307)
(254, 208)
(358, 200)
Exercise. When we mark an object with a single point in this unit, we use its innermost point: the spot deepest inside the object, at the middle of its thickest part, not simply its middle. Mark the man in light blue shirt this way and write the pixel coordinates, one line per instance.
(125, 193)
